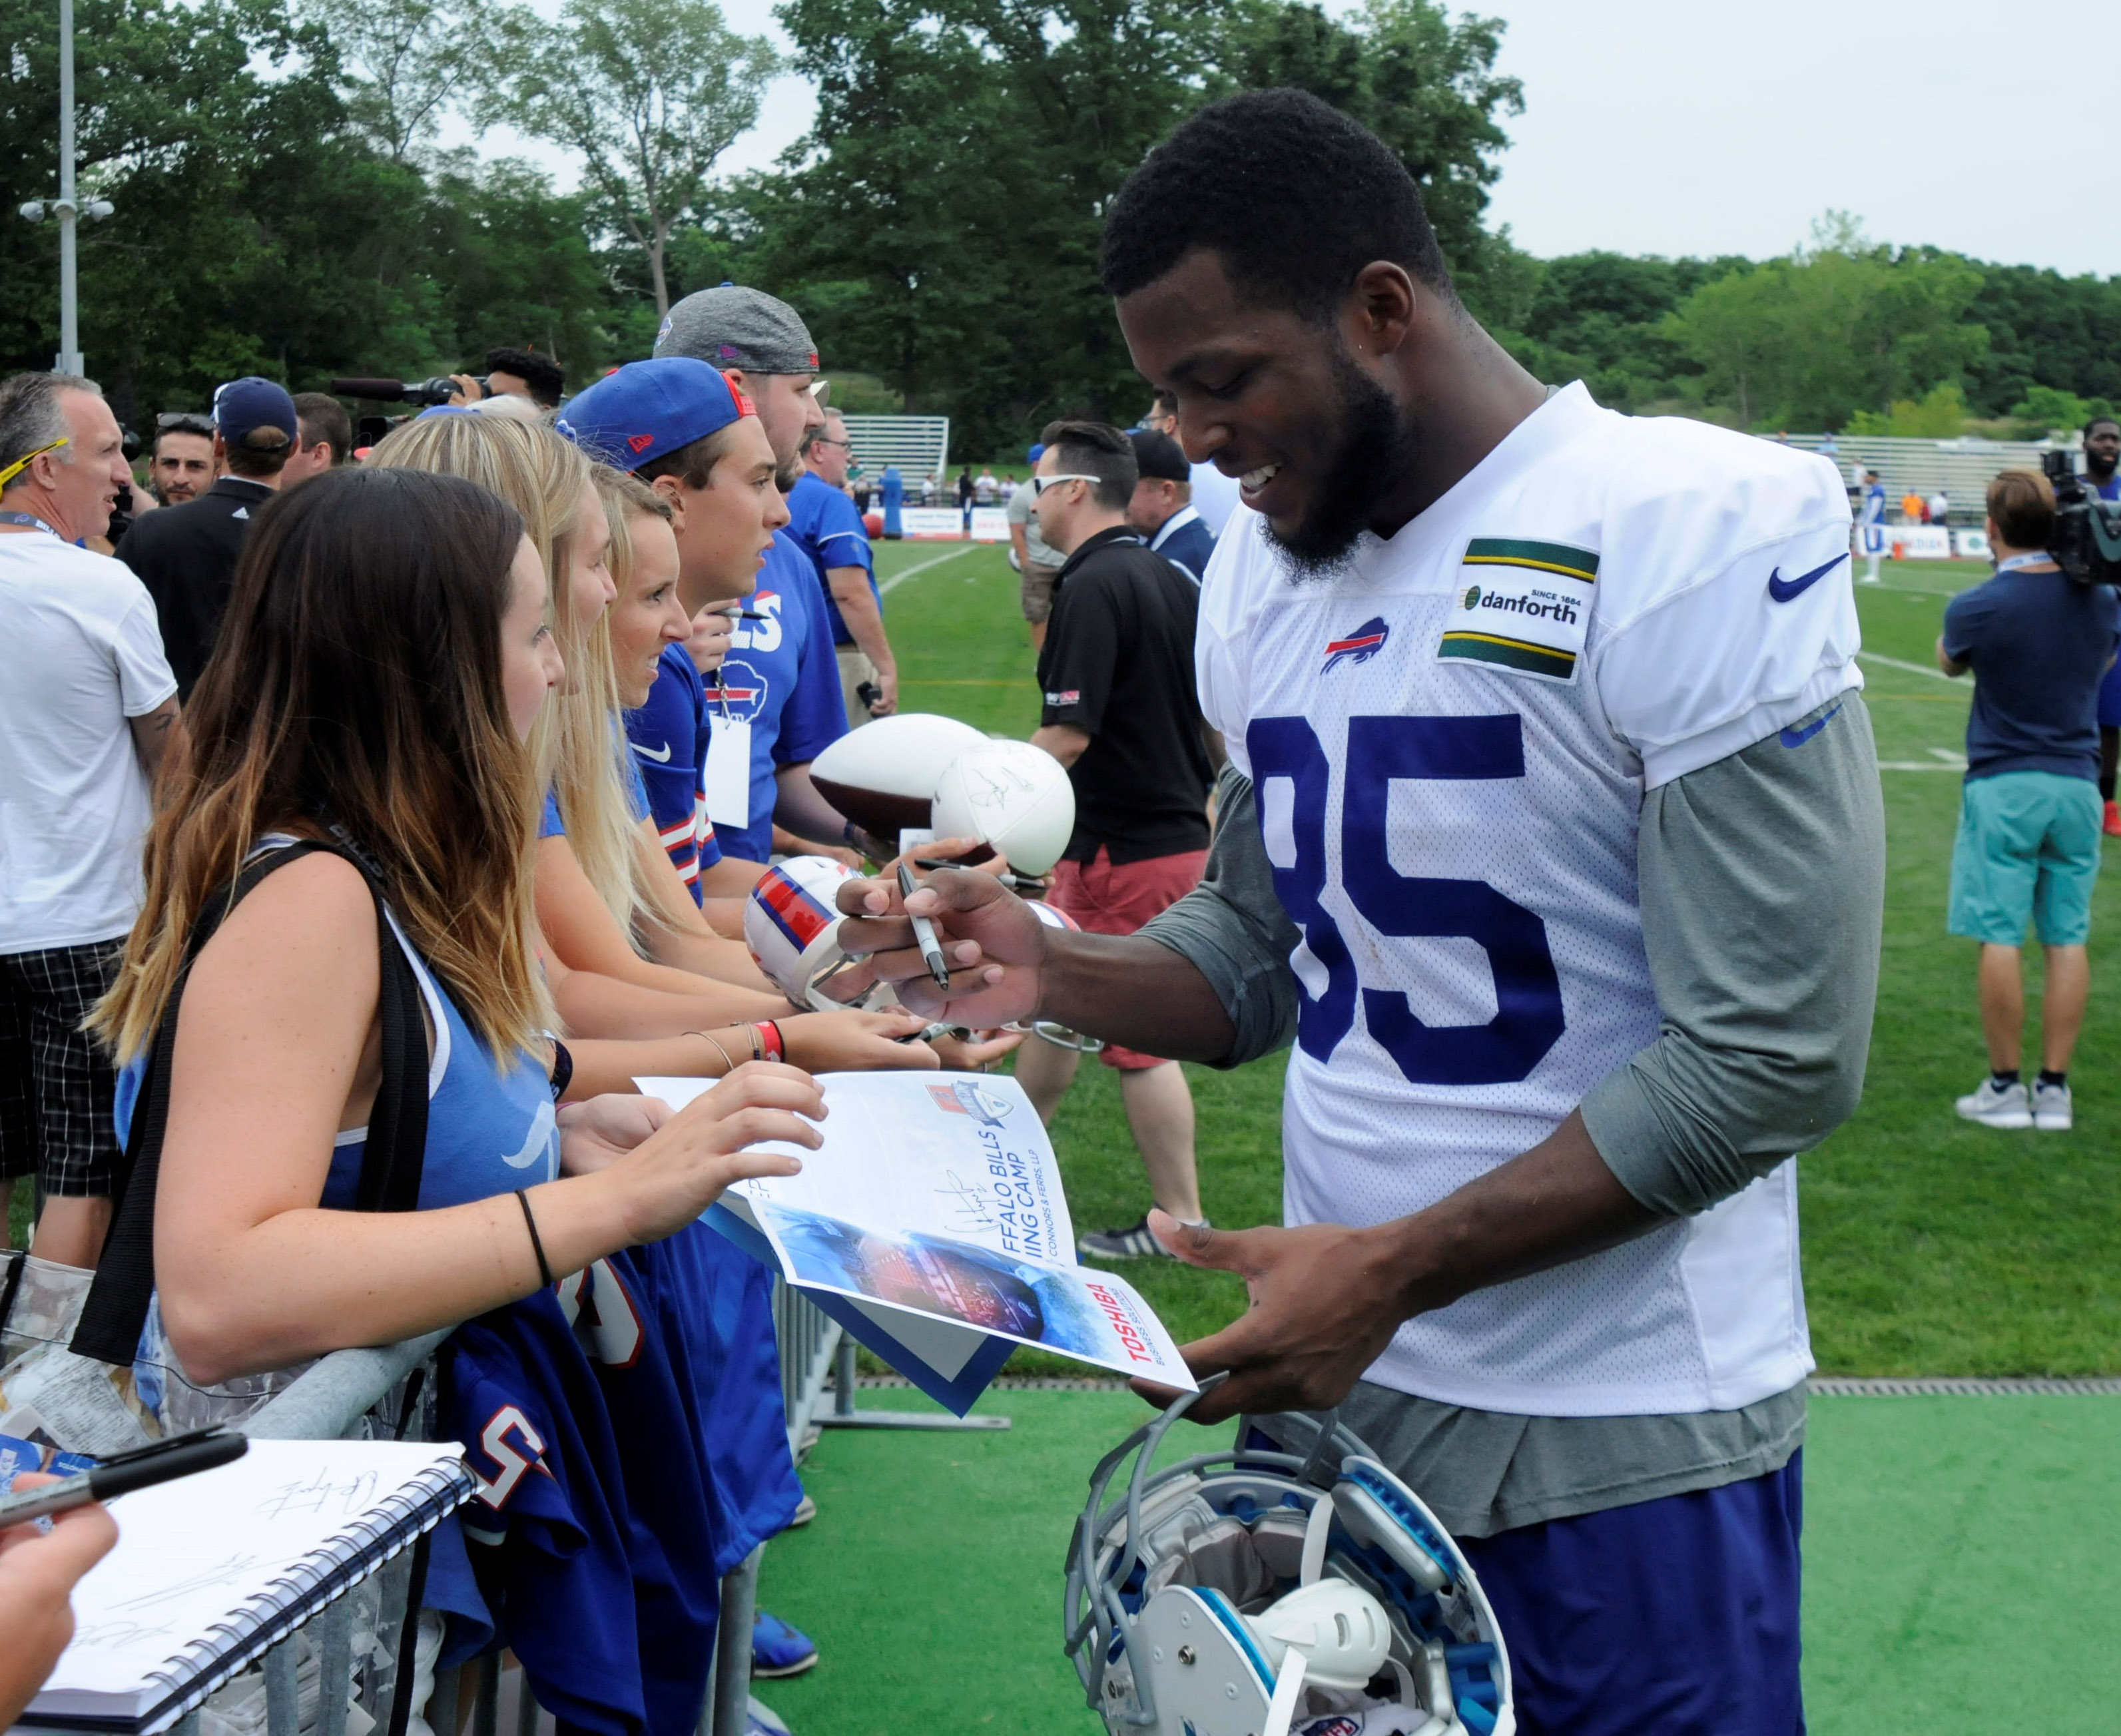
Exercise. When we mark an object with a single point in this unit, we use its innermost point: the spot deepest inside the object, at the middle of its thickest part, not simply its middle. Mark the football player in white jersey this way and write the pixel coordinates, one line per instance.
(1552, 834)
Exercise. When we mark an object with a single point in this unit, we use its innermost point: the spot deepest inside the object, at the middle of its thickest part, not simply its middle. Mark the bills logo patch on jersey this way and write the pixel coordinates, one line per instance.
(1523, 605)
(739, 694)
(1359, 647)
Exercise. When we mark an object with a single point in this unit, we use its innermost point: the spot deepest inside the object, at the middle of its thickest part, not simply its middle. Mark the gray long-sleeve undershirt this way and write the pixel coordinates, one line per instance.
(1762, 889)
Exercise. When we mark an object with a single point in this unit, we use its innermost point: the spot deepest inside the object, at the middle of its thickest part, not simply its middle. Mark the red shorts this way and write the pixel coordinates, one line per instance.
(1109, 899)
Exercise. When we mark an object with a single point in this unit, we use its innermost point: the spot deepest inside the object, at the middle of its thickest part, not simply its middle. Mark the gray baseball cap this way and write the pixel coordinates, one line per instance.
(731, 327)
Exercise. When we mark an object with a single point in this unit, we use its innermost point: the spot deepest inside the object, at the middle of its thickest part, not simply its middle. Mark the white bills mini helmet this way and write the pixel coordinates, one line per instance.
(792, 925)
(1247, 1592)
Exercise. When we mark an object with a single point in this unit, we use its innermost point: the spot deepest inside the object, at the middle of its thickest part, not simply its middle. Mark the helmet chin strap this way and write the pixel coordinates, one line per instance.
(1321, 1470)
(1288, 1695)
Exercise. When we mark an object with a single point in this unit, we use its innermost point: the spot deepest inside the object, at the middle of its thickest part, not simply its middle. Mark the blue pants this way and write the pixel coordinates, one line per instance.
(1672, 1617)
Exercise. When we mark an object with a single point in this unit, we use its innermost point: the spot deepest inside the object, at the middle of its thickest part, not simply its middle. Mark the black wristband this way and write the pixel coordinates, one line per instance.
(537, 1247)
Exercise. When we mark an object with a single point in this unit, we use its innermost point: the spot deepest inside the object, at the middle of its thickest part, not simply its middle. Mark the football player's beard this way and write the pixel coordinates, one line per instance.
(1374, 449)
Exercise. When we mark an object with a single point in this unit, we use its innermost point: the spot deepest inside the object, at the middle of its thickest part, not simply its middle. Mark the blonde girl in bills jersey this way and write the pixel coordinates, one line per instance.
(1552, 837)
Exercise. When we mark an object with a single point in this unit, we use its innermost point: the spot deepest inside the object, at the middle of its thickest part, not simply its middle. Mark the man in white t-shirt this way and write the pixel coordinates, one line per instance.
(88, 711)
(1553, 835)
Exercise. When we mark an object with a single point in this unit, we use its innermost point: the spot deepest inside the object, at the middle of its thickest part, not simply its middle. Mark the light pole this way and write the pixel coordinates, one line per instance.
(68, 209)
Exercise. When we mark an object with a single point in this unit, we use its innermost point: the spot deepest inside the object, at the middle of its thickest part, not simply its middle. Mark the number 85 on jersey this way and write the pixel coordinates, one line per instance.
(1528, 1019)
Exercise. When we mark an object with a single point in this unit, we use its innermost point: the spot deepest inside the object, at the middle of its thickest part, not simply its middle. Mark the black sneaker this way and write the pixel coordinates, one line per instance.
(1135, 1242)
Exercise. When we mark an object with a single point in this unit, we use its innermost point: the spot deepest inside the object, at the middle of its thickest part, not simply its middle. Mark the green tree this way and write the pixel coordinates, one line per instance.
(1425, 84)
(1598, 317)
(403, 63)
(260, 226)
(940, 223)
(1939, 415)
(1808, 340)
(645, 94)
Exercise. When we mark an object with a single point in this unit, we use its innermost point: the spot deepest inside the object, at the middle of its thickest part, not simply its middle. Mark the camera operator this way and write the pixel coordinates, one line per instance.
(2038, 643)
(513, 374)
(2102, 450)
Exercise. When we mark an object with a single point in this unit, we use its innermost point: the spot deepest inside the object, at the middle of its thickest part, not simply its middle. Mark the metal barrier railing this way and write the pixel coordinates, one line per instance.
(328, 1402)
(809, 1340)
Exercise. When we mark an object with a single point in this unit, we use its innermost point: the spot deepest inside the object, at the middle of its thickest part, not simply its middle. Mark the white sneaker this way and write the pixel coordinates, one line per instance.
(1996, 1105)
(2051, 1108)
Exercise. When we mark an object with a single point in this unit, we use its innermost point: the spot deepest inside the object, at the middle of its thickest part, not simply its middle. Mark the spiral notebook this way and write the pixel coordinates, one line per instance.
(210, 1570)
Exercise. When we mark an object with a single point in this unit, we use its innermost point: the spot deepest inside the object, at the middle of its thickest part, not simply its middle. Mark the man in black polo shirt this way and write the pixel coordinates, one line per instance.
(186, 556)
(1121, 712)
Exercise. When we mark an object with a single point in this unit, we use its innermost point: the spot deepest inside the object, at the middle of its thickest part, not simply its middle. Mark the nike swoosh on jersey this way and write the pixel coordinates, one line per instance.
(1798, 738)
(659, 758)
(1783, 589)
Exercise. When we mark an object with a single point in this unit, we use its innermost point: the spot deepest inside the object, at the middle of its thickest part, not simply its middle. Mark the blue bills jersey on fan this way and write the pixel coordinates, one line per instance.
(1450, 741)
(670, 736)
(550, 1528)
(628, 1431)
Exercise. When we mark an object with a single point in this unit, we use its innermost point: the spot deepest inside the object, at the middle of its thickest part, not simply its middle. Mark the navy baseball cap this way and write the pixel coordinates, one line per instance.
(242, 407)
(637, 413)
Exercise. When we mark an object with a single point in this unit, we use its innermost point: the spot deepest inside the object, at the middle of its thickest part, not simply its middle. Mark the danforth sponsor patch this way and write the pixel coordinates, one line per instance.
(1524, 606)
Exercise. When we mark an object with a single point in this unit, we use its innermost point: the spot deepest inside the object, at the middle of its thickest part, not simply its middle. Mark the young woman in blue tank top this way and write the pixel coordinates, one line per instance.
(385, 654)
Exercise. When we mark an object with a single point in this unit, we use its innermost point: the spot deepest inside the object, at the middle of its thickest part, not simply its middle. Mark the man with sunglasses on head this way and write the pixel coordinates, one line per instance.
(183, 468)
(88, 713)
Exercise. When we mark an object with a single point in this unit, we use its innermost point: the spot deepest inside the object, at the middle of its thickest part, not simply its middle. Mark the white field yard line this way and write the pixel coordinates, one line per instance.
(1943, 760)
(1895, 662)
(896, 579)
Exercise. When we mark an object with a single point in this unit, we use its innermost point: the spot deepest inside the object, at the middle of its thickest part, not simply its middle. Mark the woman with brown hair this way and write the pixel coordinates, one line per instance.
(386, 655)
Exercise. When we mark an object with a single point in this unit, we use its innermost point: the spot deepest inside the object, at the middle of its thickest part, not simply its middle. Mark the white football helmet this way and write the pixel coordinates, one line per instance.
(1248, 1593)
(791, 925)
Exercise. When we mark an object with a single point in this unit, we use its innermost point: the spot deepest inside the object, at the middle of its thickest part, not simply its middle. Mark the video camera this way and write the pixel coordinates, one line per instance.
(384, 390)
(2086, 544)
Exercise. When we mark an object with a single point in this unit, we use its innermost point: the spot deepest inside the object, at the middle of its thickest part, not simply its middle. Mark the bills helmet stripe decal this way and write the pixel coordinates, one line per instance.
(1359, 647)
(1541, 557)
(794, 912)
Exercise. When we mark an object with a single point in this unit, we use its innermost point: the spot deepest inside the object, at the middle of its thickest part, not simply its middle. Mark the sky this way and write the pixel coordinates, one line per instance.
(1653, 126)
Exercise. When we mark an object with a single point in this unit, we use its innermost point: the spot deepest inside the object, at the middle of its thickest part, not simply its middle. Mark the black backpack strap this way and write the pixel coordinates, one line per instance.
(115, 1308)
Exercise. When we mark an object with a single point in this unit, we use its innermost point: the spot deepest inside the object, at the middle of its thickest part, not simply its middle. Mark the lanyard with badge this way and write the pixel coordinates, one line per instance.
(28, 518)
(726, 779)
(2021, 563)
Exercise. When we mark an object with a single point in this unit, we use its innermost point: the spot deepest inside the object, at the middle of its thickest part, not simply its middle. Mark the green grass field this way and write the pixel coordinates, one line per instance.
(1933, 1528)
(1931, 1246)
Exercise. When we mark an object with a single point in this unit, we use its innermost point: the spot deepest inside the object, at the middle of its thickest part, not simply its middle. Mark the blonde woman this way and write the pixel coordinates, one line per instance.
(599, 865)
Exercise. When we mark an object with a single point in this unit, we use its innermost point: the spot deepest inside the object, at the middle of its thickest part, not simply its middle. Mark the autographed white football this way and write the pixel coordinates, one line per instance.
(883, 775)
(1011, 796)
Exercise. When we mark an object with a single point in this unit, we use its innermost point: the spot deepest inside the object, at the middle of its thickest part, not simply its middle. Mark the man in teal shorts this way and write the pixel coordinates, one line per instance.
(2038, 643)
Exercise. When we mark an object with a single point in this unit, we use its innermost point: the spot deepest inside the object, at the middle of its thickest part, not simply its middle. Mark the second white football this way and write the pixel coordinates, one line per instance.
(882, 776)
(1011, 796)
